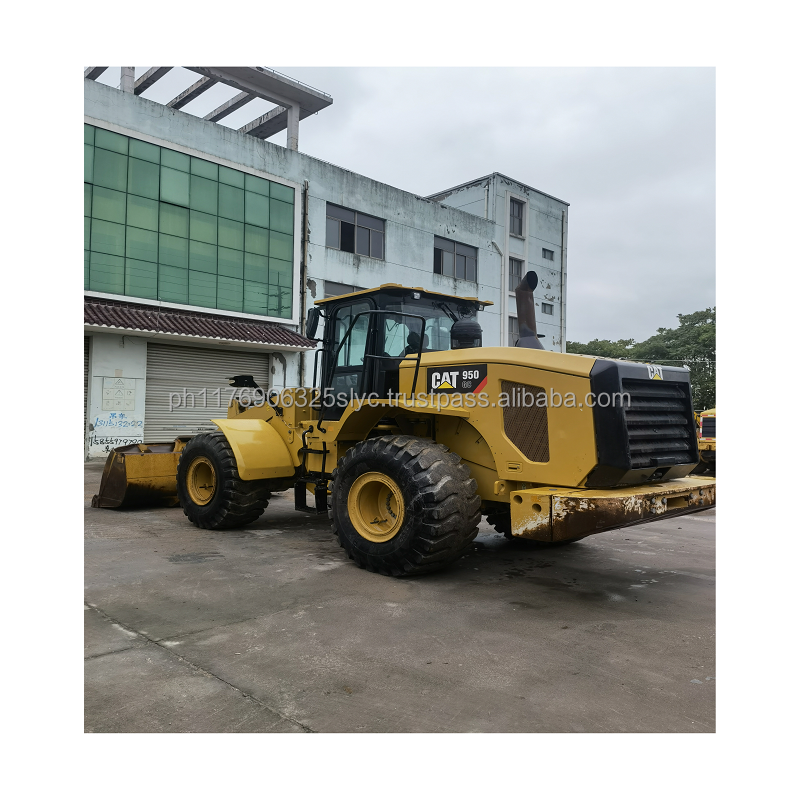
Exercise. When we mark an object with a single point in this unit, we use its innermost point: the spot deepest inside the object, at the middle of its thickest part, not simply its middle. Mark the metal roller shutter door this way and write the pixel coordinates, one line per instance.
(85, 378)
(173, 368)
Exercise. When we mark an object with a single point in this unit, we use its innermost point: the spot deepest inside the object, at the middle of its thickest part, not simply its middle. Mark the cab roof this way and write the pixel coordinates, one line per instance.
(399, 289)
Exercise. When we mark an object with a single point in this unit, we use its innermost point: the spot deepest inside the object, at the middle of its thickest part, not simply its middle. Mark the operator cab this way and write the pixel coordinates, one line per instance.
(368, 333)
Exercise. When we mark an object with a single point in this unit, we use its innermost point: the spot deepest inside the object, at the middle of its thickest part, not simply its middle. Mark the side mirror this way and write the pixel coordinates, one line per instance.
(312, 321)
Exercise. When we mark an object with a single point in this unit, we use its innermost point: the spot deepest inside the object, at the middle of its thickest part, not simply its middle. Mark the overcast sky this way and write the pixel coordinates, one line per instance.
(630, 149)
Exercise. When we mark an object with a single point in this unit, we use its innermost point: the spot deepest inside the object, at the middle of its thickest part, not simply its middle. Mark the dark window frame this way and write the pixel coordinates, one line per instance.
(548, 255)
(451, 257)
(513, 331)
(516, 220)
(545, 307)
(351, 231)
(345, 288)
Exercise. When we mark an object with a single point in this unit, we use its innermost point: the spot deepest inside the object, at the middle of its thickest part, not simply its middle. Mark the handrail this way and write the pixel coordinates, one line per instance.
(316, 362)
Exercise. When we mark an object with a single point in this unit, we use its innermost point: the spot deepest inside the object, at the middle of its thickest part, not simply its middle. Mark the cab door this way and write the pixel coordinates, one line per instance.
(351, 373)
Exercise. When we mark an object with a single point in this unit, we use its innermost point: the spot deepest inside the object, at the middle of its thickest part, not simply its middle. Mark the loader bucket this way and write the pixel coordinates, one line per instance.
(140, 475)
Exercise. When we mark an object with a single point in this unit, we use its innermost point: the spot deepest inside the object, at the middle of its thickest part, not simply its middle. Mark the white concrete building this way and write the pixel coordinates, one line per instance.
(531, 233)
(205, 246)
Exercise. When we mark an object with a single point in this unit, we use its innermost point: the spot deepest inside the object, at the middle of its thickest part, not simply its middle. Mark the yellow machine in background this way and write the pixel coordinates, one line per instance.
(707, 440)
(414, 430)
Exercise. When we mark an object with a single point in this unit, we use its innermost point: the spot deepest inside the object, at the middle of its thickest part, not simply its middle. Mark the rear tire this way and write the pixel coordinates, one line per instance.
(212, 494)
(403, 505)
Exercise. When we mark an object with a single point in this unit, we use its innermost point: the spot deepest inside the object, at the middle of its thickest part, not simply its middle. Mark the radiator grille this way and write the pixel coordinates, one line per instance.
(708, 427)
(526, 427)
(659, 423)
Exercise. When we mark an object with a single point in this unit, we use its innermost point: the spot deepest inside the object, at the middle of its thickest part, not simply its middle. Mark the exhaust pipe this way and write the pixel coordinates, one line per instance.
(526, 312)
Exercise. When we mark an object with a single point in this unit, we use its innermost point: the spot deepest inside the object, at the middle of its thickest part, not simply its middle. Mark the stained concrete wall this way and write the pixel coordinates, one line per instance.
(542, 228)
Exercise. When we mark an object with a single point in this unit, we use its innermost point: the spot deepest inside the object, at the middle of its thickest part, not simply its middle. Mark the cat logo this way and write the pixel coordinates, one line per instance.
(467, 379)
(655, 373)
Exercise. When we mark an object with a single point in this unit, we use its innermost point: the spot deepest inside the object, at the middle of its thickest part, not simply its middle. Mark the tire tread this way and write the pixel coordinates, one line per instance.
(243, 502)
(444, 501)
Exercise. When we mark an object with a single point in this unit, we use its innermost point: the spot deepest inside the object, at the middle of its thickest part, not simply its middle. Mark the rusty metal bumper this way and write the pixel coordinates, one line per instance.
(553, 514)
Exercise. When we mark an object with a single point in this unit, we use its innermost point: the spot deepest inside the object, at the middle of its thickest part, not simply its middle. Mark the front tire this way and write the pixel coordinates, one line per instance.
(210, 490)
(403, 505)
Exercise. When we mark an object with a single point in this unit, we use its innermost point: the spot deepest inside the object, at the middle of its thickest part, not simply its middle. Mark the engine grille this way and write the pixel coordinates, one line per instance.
(526, 427)
(659, 422)
(708, 427)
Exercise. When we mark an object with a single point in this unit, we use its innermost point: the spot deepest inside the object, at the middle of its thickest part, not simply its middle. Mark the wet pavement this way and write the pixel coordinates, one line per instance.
(271, 628)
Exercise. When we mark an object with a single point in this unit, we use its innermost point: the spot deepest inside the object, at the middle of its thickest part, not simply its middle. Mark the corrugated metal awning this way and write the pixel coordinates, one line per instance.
(169, 322)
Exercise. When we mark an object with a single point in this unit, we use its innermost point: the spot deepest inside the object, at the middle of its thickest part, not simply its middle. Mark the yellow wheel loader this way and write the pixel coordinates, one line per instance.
(707, 441)
(413, 430)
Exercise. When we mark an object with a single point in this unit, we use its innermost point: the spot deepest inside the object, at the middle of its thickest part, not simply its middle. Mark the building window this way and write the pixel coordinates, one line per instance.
(514, 272)
(516, 217)
(547, 308)
(354, 232)
(455, 260)
(513, 331)
(163, 225)
(333, 289)
(547, 254)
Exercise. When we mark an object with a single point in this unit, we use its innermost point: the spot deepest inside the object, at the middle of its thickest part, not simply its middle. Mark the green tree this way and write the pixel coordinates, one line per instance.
(691, 344)
(603, 348)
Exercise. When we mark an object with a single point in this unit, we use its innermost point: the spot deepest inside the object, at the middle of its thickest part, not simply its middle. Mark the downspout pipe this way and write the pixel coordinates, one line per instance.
(563, 281)
(503, 296)
(303, 274)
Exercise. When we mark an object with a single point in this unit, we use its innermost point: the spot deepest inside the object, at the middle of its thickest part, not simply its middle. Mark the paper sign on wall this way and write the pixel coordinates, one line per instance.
(119, 394)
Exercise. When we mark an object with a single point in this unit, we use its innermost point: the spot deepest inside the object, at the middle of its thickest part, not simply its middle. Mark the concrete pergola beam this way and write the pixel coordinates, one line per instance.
(272, 122)
(267, 124)
(268, 85)
(295, 100)
(229, 106)
(149, 78)
(194, 91)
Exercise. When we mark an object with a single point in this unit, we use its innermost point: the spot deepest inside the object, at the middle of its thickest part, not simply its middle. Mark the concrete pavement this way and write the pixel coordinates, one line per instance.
(272, 629)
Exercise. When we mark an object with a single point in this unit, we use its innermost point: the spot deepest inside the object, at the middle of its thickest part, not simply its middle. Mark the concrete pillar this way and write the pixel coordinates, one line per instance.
(293, 127)
(122, 360)
(126, 79)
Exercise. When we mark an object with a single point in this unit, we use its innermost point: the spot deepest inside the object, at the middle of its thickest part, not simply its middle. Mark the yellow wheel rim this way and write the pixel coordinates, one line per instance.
(375, 507)
(201, 481)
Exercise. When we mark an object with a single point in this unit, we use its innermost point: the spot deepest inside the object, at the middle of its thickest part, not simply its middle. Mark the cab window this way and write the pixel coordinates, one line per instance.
(402, 333)
(352, 354)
